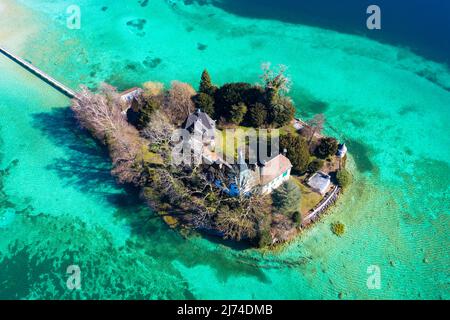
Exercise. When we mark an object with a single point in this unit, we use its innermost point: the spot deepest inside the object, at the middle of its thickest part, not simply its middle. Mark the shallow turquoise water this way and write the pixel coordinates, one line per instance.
(59, 206)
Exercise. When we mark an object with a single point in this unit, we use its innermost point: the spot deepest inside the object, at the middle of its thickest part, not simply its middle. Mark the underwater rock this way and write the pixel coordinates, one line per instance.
(201, 46)
(152, 63)
(138, 24)
(143, 3)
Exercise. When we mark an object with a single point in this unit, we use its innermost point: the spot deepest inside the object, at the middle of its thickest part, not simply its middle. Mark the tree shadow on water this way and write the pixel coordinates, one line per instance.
(87, 167)
(85, 164)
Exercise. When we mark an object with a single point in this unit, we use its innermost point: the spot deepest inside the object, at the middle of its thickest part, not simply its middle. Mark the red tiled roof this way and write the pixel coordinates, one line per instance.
(274, 168)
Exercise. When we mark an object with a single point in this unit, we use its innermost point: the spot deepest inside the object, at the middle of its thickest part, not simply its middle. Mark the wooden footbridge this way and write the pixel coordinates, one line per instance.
(39, 73)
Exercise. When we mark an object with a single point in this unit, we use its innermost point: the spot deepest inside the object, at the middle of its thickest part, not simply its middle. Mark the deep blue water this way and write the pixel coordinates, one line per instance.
(421, 25)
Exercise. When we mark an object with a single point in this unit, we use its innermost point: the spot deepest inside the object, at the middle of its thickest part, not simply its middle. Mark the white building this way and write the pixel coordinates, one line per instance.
(274, 173)
(268, 176)
(297, 124)
(342, 150)
(128, 96)
(201, 126)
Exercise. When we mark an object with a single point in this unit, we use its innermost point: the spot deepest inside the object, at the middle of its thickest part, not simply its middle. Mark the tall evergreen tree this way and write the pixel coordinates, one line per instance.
(228, 95)
(204, 102)
(287, 197)
(206, 85)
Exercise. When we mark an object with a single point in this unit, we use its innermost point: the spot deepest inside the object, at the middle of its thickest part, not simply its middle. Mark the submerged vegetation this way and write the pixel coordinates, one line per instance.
(138, 135)
(338, 228)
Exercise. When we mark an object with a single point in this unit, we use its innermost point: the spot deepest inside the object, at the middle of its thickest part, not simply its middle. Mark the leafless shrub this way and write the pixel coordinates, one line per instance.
(159, 130)
(101, 115)
(240, 218)
(315, 126)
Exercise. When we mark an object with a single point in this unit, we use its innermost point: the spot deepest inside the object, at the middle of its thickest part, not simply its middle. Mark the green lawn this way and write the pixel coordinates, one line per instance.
(309, 198)
(227, 138)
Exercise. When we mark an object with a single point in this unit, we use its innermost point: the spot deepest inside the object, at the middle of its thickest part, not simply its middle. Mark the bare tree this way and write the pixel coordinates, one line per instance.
(316, 125)
(159, 129)
(240, 217)
(278, 80)
(101, 115)
(126, 148)
(179, 102)
(192, 209)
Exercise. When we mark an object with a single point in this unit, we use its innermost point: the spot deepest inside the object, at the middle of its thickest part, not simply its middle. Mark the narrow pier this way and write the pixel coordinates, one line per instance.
(39, 73)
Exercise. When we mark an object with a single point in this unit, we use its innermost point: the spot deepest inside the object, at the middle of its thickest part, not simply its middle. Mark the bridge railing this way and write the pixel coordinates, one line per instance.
(41, 74)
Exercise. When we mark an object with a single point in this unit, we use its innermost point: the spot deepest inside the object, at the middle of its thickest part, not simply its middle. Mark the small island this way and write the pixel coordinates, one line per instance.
(231, 161)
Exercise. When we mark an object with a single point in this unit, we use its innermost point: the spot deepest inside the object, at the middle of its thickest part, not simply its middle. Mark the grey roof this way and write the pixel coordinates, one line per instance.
(319, 182)
(201, 116)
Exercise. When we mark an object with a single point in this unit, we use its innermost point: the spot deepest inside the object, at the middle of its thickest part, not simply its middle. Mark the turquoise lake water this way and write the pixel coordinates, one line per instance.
(60, 207)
